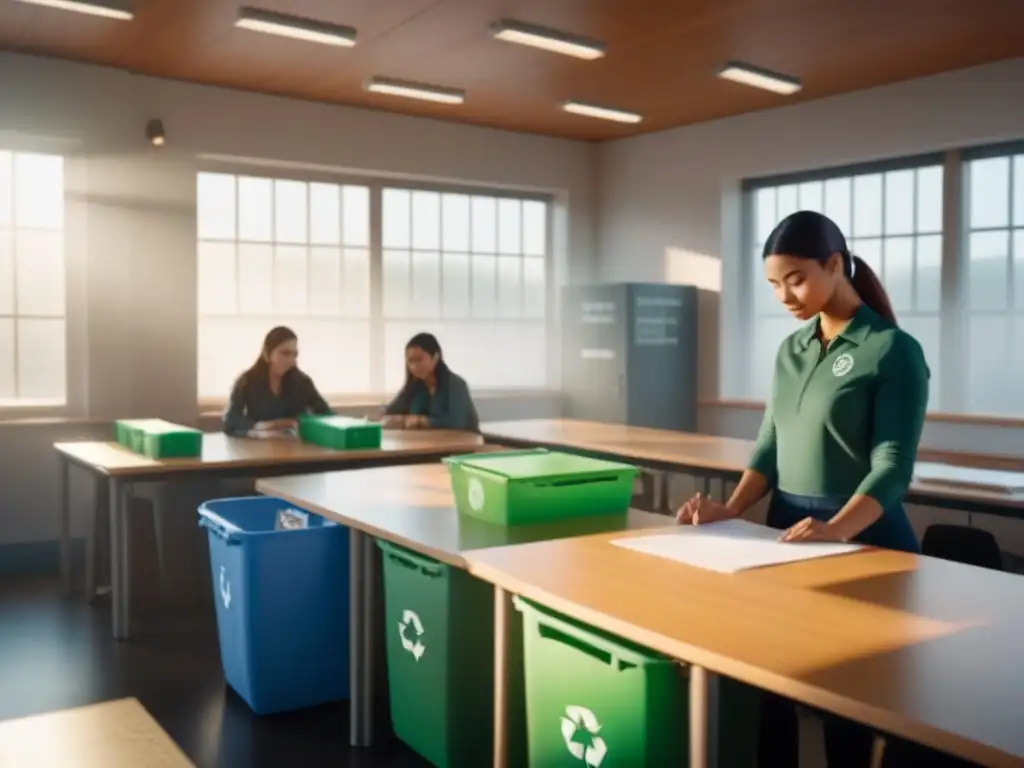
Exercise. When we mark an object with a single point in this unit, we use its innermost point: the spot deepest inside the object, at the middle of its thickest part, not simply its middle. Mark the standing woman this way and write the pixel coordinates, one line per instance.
(433, 397)
(840, 432)
(270, 396)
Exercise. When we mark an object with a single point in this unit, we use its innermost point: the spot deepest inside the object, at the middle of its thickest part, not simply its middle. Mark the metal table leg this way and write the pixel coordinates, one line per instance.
(120, 565)
(94, 543)
(703, 718)
(363, 638)
(501, 676)
(64, 520)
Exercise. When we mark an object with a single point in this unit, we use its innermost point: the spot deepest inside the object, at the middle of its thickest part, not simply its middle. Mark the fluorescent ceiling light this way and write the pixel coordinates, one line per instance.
(410, 90)
(547, 39)
(759, 78)
(107, 8)
(296, 27)
(604, 113)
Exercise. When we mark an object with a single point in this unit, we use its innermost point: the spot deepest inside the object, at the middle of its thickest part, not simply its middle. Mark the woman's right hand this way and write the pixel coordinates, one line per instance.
(393, 421)
(700, 510)
(276, 425)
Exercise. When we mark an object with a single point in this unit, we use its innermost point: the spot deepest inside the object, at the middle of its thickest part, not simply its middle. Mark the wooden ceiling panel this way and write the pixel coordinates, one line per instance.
(661, 54)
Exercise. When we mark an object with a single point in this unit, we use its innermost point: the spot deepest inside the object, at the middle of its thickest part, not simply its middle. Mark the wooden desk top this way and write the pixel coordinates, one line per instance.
(221, 451)
(921, 648)
(709, 452)
(116, 734)
(413, 507)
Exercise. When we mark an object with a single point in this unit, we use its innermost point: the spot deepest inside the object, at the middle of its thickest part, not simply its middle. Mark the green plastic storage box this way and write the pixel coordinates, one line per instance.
(128, 432)
(522, 487)
(596, 700)
(159, 439)
(341, 433)
(439, 628)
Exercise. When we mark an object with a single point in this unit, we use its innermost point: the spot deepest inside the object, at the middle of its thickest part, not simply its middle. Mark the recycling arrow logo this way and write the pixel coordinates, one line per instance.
(410, 630)
(225, 588)
(580, 730)
(476, 494)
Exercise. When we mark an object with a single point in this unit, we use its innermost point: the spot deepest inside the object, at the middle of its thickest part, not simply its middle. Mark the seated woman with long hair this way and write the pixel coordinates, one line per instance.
(433, 397)
(271, 395)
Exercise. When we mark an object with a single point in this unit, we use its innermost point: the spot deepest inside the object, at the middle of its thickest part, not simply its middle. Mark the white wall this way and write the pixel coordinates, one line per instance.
(131, 224)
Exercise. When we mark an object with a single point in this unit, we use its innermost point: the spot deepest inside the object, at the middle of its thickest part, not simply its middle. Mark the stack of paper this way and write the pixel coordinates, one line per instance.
(969, 477)
(730, 546)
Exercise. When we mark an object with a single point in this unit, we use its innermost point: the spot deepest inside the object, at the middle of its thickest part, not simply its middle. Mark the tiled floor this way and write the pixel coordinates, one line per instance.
(57, 653)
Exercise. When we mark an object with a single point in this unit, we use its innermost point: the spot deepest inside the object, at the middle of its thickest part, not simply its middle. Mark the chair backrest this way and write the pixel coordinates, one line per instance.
(962, 544)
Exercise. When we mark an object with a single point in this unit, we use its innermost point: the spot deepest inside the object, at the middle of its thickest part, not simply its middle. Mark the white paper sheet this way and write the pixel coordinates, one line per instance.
(730, 546)
(969, 477)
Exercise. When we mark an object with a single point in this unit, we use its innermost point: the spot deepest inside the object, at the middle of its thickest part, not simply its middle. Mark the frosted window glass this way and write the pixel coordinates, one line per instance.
(929, 273)
(325, 277)
(6, 274)
(867, 206)
(812, 196)
(426, 284)
(255, 209)
(7, 373)
(397, 216)
(355, 203)
(535, 224)
(397, 293)
(325, 214)
(838, 199)
(989, 389)
(899, 273)
(534, 293)
(455, 285)
(255, 279)
(356, 285)
(291, 280)
(990, 192)
(485, 286)
(929, 199)
(426, 221)
(899, 202)
(510, 226)
(988, 269)
(215, 206)
(218, 286)
(291, 212)
(6, 188)
(455, 227)
(764, 213)
(510, 286)
(485, 225)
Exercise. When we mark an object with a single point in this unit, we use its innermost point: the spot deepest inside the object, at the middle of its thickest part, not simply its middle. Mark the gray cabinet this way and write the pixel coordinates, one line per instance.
(629, 354)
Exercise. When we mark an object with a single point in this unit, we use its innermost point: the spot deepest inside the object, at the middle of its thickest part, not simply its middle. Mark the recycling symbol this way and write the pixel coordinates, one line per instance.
(410, 630)
(580, 730)
(225, 588)
(476, 494)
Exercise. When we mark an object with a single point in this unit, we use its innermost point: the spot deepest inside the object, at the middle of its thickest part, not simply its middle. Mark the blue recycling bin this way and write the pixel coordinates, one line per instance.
(282, 601)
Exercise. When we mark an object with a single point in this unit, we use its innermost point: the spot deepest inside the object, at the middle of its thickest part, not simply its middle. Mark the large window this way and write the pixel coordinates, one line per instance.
(311, 255)
(33, 358)
(471, 269)
(893, 220)
(283, 252)
(994, 361)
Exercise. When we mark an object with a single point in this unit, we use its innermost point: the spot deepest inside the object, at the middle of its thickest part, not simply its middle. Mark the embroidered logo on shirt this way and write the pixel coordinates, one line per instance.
(842, 365)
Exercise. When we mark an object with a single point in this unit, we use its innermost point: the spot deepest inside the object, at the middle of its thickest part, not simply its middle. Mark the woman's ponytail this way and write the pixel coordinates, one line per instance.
(870, 289)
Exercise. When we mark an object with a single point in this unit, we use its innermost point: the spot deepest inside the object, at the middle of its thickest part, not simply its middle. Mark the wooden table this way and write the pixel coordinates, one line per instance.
(709, 458)
(915, 647)
(413, 507)
(116, 734)
(116, 470)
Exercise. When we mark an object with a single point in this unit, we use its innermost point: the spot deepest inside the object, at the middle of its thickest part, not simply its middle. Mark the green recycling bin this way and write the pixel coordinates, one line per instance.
(159, 439)
(535, 486)
(597, 701)
(439, 627)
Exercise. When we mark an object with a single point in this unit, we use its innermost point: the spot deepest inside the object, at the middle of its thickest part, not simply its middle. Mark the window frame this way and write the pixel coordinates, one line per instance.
(72, 231)
(376, 183)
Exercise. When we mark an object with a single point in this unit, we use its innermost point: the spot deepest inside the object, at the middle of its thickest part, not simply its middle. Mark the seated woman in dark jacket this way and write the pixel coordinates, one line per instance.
(433, 397)
(270, 396)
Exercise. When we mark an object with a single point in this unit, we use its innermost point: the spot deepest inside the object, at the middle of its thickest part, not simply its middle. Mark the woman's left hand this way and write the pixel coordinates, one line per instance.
(810, 529)
(416, 422)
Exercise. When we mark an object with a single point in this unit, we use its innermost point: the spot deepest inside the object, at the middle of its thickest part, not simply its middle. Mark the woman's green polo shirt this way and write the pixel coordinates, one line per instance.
(847, 420)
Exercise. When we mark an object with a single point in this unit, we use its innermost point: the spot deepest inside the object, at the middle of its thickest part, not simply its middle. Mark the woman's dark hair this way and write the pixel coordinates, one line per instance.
(429, 344)
(260, 370)
(812, 235)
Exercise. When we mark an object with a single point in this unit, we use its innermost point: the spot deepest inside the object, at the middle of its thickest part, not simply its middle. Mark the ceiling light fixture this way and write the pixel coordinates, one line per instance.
(604, 113)
(759, 78)
(296, 27)
(547, 39)
(155, 132)
(110, 9)
(411, 90)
